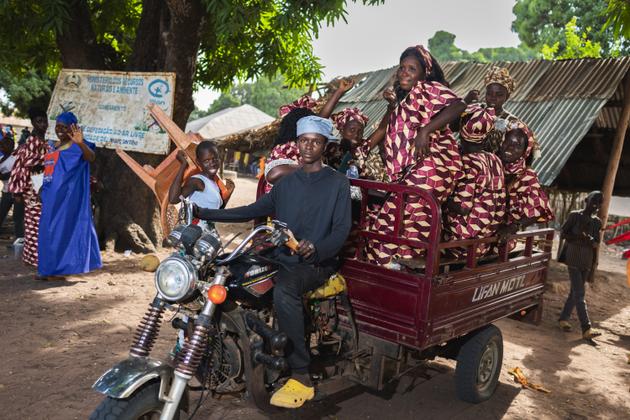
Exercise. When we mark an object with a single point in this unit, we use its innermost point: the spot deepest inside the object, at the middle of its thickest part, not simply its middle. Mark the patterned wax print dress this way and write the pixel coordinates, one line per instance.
(482, 192)
(31, 154)
(437, 172)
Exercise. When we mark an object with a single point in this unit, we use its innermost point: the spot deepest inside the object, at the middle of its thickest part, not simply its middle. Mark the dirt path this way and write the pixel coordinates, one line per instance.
(57, 338)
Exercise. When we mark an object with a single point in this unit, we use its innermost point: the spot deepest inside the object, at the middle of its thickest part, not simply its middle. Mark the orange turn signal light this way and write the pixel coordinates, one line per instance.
(217, 294)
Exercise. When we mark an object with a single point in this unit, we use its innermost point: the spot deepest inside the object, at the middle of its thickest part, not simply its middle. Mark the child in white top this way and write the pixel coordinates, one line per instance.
(201, 188)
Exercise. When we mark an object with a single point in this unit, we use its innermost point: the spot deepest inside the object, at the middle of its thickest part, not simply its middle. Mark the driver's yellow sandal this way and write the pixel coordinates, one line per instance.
(293, 394)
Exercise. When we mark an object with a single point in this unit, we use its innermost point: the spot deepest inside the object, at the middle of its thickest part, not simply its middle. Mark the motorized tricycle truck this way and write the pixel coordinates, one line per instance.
(369, 323)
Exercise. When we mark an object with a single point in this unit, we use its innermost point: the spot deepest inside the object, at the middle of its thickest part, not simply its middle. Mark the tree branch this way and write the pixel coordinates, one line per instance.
(77, 42)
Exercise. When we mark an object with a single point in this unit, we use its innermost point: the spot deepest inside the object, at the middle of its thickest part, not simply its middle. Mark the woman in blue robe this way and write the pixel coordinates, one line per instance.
(67, 239)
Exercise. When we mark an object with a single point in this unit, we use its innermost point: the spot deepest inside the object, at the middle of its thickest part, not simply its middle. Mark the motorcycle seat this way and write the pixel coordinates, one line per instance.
(334, 286)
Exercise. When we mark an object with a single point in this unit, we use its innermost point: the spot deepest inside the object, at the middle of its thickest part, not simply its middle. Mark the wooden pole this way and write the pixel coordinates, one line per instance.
(611, 170)
(615, 153)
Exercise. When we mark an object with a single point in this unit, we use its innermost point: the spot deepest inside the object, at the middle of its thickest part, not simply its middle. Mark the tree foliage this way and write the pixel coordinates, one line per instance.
(543, 22)
(442, 46)
(265, 94)
(618, 18)
(239, 39)
(576, 45)
(23, 91)
(204, 42)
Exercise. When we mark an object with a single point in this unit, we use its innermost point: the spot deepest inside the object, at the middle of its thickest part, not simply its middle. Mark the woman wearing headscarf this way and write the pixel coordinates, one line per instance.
(67, 238)
(420, 149)
(527, 202)
(499, 87)
(350, 122)
(285, 156)
(477, 207)
(30, 161)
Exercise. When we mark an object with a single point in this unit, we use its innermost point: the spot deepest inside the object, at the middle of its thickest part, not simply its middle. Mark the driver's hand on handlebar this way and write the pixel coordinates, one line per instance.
(306, 249)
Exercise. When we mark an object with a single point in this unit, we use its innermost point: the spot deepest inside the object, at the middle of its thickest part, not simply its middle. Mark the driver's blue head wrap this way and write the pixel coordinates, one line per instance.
(316, 125)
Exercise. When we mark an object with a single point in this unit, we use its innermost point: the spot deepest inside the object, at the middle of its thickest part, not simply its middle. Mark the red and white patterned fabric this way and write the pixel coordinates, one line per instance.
(348, 114)
(288, 150)
(428, 59)
(527, 199)
(304, 101)
(437, 171)
(482, 192)
(28, 156)
(479, 121)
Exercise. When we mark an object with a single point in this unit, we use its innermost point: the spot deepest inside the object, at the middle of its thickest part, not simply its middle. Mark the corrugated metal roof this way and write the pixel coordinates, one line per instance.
(559, 100)
(229, 121)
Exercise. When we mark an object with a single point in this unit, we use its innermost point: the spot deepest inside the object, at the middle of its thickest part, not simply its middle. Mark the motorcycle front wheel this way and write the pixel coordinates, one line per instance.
(142, 405)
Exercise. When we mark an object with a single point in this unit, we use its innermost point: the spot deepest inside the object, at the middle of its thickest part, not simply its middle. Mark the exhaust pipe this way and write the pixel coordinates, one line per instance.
(276, 340)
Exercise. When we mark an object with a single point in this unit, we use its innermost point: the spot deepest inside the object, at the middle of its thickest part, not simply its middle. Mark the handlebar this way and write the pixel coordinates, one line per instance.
(243, 244)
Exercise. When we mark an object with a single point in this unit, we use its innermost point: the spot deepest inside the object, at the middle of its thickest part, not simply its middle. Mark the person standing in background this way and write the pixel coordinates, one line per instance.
(67, 239)
(30, 161)
(581, 231)
(7, 160)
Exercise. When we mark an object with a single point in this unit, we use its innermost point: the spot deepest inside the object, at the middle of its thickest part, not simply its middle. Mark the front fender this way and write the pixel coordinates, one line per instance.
(126, 377)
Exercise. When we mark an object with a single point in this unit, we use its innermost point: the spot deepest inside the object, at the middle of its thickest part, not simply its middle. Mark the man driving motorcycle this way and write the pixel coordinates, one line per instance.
(314, 202)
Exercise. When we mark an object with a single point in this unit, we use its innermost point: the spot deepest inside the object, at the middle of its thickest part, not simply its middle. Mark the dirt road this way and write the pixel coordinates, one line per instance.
(57, 338)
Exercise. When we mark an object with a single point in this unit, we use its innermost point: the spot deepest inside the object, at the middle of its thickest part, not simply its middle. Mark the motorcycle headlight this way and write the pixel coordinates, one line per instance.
(175, 278)
(208, 245)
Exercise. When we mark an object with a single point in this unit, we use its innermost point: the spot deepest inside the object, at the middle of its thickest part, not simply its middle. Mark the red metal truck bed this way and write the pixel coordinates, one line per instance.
(433, 306)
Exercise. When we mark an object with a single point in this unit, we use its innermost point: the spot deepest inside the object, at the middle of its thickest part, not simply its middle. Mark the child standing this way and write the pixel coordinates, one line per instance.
(205, 189)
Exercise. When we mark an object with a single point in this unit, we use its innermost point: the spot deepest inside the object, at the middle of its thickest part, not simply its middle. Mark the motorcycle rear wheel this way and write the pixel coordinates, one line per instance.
(142, 405)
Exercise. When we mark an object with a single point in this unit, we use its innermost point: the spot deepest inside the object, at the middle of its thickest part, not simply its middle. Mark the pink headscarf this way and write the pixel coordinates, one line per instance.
(480, 122)
(428, 58)
(341, 118)
(303, 102)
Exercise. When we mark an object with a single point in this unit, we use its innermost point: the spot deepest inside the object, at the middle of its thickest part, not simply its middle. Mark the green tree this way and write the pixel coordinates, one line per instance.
(618, 14)
(576, 45)
(226, 100)
(205, 42)
(23, 91)
(265, 94)
(442, 46)
(542, 22)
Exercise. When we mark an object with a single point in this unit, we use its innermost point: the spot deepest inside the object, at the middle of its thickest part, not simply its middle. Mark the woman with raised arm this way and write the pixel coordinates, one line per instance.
(420, 149)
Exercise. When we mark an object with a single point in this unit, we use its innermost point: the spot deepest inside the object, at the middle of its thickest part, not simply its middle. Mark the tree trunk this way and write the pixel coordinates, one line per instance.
(167, 39)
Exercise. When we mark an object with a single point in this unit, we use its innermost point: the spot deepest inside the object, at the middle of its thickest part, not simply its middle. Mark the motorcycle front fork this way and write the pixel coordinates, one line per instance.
(189, 357)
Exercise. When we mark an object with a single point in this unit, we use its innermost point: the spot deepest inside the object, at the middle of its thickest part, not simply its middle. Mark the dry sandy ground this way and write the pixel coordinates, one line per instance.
(57, 338)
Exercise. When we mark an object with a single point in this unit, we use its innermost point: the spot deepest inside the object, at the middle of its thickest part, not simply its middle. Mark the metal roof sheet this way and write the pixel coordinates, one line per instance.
(559, 100)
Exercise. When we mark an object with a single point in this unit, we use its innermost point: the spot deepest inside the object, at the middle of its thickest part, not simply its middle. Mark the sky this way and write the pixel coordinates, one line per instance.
(375, 36)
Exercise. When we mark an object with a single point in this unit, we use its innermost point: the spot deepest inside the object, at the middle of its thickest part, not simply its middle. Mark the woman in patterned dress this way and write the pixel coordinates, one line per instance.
(30, 161)
(527, 202)
(499, 87)
(420, 149)
(477, 207)
(285, 156)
